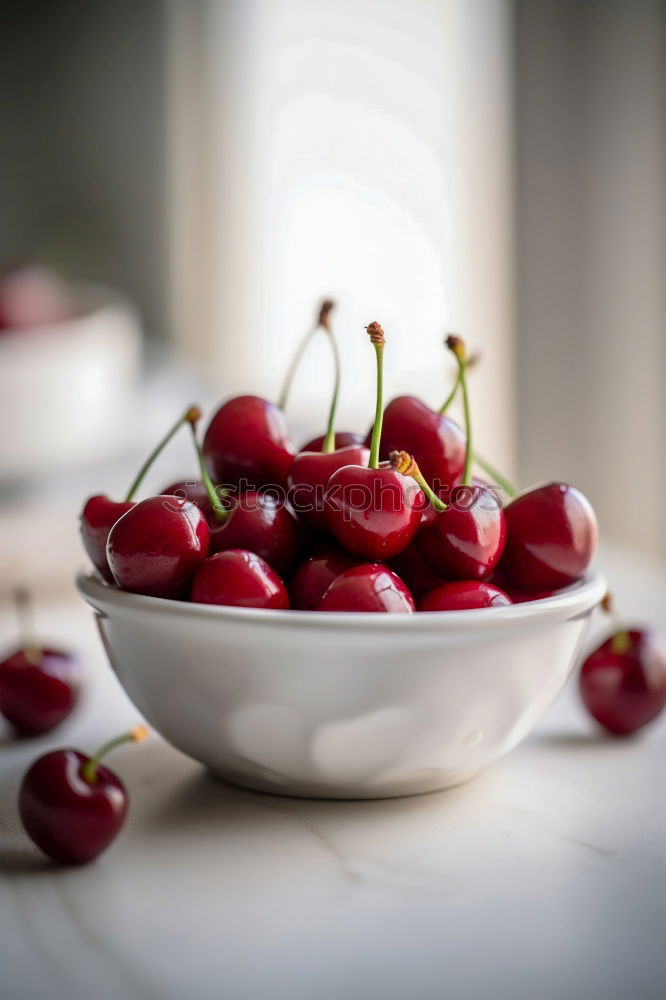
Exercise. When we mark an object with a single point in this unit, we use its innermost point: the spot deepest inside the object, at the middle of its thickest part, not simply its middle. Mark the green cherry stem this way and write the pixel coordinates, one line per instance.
(89, 769)
(457, 347)
(191, 416)
(22, 603)
(329, 441)
(221, 515)
(322, 319)
(378, 340)
(451, 396)
(621, 641)
(404, 463)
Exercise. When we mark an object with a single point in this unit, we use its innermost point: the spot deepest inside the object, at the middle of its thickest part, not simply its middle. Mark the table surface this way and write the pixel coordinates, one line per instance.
(545, 876)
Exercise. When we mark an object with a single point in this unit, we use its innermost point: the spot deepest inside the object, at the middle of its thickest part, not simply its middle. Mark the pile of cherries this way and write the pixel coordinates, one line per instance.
(394, 521)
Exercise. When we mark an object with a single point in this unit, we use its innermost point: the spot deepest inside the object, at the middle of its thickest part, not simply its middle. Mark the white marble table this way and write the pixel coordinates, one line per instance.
(545, 877)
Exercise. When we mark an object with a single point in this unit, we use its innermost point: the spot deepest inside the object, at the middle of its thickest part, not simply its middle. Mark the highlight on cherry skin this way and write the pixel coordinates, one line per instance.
(71, 805)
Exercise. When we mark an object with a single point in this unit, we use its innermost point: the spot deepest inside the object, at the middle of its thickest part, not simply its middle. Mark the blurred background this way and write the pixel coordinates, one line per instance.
(193, 177)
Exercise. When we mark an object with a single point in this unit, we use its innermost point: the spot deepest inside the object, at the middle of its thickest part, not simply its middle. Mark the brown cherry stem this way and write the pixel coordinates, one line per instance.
(405, 464)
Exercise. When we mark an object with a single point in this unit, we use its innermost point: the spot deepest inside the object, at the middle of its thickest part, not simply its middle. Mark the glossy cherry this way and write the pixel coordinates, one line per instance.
(39, 685)
(314, 576)
(414, 570)
(551, 538)
(373, 512)
(156, 547)
(248, 441)
(435, 440)
(195, 491)
(464, 595)
(239, 578)
(465, 540)
(623, 682)
(367, 587)
(100, 513)
(71, 806)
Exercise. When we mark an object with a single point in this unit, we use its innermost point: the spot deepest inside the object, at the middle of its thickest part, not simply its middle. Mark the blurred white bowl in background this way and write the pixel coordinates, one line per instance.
(66, 389)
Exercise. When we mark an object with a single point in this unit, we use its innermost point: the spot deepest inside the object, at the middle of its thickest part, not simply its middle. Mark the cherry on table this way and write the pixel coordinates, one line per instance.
(464, 595)
(156, 547)
(101, 513)
(240, 579)
(71, 805)
(373, 512)
(39, 685)
(551, 537)
(367, 587)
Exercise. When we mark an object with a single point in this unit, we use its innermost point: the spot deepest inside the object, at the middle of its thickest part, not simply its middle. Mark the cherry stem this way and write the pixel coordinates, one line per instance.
(89, 769)
(378, 340)
(23, 605)
(191, 416)
(329, 440)
(620, 642)
(322, 319)
(220, 514)
(457, 347)
(496, 476)
(405, 464)
(451, 396)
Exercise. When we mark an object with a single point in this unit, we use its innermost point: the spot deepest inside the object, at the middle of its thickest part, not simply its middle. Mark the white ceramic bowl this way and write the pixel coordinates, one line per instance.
(65, 387)
(342, 705)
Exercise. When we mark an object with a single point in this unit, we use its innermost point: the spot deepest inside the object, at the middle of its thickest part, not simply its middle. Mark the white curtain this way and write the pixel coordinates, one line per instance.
(359, 150)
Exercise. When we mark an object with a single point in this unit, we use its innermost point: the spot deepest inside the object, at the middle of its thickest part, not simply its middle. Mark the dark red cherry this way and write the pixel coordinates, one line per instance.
(551, 537)
(308, 479)
(239, 578)
(463, 595)
(342, 440)
(156, 547)
(247, 440)
(623, 682)
(367, 587)
(261, 523)
(414, 570)
(100, 513)
(71, 806)
(373, 513)
(314, 576)
(38, 688)
(97, 518)
(465, 541)
(435, 440)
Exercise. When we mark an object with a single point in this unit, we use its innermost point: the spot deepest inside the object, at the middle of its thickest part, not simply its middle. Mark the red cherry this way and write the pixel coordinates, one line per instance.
(97, 518)
(435, 440)
(368, 587)
(309, 475)
(464, 542)
(71, 806)
(342, 440)
(39, 686)
(263, 524)
(463, 595)
(551, 537)
(247, 440)
(315, 575)
(414, 570)
(239, 578)
(623, 682)
(100, 513)
(156, 547)
(38, 689)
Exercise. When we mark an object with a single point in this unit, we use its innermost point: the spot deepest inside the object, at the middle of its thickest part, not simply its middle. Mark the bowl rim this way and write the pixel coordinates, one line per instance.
(577, 600)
